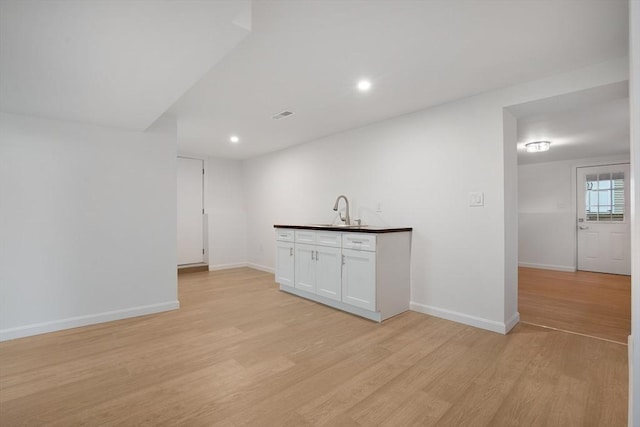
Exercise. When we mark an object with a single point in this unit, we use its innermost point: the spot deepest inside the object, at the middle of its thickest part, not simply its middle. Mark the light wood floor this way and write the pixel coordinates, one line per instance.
(239, 352)
(594, 304)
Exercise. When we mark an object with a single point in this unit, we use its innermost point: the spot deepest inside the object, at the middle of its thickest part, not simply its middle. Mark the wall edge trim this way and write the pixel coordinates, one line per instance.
(218, 267)
(261, 268)
(86, 320)
(466, 319)
(566, 268)
(511, 323)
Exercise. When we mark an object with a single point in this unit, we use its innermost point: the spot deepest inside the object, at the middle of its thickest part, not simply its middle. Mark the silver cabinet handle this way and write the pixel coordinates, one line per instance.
(316, 255)
(342, 259)
(290, 251)
(583, 227)
(311, 255)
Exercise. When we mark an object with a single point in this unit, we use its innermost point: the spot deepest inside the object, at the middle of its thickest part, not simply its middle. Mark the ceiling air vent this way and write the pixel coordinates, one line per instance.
(282, 115)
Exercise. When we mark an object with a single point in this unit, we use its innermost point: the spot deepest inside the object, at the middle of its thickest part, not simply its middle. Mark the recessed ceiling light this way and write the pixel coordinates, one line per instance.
(537, 146)
(364, 85)
(234, 139)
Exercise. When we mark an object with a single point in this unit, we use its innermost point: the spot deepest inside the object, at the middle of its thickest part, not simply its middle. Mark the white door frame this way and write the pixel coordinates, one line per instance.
(205, 216)
(634, 97)
(604, 161)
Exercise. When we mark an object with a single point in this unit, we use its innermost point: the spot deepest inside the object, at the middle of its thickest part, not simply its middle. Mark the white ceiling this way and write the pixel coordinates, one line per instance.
(113, 63)
(306, 57)
(589, 123)
(125, 63)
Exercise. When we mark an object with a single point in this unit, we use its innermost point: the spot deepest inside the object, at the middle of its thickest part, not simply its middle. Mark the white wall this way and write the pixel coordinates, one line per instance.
(547, 212)
(87, 223)
(226, 217)
(510, 159)
(420, 168)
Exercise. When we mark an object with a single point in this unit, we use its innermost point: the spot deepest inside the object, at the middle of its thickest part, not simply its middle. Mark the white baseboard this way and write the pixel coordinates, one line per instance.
(227, 266)
(240, 265)
(567, 268)
(261, 268)
(91, 319)
(512, 322)
(630, 352)
(478, 322)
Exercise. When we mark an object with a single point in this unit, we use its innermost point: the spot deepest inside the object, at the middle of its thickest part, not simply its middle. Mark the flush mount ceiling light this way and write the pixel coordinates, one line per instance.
(537, 146)
(234, 139)
(364, 85)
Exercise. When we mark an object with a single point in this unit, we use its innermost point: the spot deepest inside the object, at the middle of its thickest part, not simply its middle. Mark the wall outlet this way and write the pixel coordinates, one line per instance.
(476, 198)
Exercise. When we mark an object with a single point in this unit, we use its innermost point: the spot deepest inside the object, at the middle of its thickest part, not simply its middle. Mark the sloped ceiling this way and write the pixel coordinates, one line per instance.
(226, 67)
(112, 63)
(306, 57)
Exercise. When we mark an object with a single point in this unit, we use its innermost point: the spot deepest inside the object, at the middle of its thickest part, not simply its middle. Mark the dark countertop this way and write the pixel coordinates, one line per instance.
(365, 229)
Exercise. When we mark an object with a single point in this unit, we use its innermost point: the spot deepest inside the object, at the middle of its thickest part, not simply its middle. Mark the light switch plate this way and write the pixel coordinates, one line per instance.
(476, 198)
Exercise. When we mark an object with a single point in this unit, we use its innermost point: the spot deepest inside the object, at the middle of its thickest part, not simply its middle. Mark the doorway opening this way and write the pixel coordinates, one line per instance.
(191, 215)
(574, 248)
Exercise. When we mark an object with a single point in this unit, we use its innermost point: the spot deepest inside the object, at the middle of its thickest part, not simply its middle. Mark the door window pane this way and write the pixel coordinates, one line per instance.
(604, 197)
(604, 181)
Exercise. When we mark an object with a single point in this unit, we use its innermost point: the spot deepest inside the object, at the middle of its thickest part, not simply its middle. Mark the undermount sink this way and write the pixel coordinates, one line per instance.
(338, 225)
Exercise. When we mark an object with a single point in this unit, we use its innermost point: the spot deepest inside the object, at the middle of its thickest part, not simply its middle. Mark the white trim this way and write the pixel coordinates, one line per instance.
(634, 98)
(240, 265)
(261, 268)
(567, 268)
(205, 216)
(478, 322)
(512, 322)
(630, 409)
(90, 319)
(227, 266)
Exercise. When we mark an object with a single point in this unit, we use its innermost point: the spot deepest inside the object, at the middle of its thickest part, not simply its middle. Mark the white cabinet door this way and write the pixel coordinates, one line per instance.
(284, 263)
(305, 268)
(328, 271)
(359, 279)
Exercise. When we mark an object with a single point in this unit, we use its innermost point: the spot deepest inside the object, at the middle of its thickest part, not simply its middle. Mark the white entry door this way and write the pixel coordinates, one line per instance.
(604, 243)
(190, 211)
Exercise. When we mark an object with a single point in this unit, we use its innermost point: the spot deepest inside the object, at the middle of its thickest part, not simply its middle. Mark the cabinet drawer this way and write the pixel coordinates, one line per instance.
(362, 242)
(284, 235)
(328, 238)
(306, 236)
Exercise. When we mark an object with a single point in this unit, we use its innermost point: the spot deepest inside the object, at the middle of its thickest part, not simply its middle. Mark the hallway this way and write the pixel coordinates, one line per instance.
(593, 304)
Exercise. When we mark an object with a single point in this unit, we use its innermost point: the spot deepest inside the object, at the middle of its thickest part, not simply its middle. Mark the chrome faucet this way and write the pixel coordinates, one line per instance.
(346, 219)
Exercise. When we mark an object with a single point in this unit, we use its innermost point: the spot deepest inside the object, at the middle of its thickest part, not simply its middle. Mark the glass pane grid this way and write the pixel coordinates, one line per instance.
(604, 197)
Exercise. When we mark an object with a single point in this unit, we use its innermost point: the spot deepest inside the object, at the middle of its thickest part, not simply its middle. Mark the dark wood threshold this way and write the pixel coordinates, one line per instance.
(192, 268)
